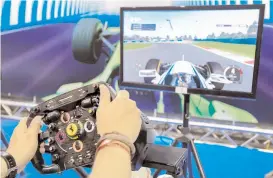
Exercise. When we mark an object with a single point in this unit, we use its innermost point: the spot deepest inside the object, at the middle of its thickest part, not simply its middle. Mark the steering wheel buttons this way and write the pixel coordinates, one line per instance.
(55, 157)
(89, 126)
(60, 137)
(86, 103)
(53, 116)
(80, 160)
(52, 149)
(78, 112)
(51, 140)
(72, 129)
(88, 156)
(65, 117)
(53, 126)
(71, 161)
(77, 146)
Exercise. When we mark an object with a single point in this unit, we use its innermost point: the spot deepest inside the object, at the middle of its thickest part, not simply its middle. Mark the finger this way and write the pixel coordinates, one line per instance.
(42, 150)
(104, 95)
(35, 126)
(42, 145)
(123, 94)
(22, 126)
(131, 105)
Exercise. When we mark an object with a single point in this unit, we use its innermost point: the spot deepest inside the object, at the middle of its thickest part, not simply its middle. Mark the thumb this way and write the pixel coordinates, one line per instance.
(104, 95)
(35, 126)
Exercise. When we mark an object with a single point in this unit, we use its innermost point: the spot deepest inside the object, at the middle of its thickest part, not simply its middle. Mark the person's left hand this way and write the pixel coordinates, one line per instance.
(24, 142)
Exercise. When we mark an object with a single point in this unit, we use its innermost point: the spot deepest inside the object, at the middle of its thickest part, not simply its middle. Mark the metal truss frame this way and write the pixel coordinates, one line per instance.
(224, 134)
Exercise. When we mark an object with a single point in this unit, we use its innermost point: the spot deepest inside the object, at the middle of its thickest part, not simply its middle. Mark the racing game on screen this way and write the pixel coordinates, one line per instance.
(203, 49)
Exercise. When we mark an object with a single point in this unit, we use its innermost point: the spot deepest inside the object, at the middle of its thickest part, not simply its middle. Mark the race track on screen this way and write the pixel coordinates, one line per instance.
(135, 59)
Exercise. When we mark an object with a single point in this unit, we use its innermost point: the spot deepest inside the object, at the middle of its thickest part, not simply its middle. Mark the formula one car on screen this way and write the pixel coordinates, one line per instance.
(185, 74)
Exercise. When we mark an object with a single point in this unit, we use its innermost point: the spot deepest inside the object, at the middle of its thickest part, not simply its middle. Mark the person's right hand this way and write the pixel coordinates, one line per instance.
(121, 115)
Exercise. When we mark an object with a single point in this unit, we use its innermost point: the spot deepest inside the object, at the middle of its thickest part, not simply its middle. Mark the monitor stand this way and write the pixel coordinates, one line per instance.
(187, 141)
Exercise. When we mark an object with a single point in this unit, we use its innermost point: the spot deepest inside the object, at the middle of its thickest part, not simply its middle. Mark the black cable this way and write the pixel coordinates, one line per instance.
(4, 140)
(165, 128)
(81, 172)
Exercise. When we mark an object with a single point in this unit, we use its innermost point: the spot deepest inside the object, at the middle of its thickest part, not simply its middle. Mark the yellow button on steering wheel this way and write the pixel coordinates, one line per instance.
(72, 130)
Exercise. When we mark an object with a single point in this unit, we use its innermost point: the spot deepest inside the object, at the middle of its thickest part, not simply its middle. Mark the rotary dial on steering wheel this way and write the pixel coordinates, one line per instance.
(74, 130)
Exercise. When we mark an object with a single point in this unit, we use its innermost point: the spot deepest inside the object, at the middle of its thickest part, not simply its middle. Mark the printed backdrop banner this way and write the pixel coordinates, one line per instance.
(37, 58)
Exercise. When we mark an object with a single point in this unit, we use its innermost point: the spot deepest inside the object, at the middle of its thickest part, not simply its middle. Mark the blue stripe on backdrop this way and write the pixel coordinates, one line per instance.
(44, 10)
(257, 2)
(34, 12)
(5, 15)
(243, 2)
(232, 2)
(21, 18)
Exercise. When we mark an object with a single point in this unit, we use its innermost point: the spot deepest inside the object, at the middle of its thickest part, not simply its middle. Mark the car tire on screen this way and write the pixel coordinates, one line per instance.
(152, 64)
(86, 43)
(216, 68)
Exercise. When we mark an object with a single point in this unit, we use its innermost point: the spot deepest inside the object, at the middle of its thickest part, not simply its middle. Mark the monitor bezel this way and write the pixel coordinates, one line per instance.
(225, 93)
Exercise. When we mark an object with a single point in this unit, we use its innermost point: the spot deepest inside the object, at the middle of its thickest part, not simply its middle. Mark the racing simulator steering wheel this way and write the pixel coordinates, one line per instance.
(71, 135)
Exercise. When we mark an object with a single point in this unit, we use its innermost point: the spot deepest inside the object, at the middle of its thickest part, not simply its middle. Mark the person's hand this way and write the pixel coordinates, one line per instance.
(24, 142)
(142, 173)
(269, 175)
(121, 115)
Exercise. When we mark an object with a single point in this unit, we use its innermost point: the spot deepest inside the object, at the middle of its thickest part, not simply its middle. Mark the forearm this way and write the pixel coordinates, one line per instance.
(4, 168)
(112, 161)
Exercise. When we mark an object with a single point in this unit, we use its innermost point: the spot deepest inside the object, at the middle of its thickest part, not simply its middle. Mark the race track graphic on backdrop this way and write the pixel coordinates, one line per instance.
(44, 66)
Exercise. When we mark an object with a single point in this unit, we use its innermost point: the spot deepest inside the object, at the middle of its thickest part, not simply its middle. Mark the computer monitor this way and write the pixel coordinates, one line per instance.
(212, 50)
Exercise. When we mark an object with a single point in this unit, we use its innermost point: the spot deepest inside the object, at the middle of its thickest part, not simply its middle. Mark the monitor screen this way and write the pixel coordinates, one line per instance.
(203, 50)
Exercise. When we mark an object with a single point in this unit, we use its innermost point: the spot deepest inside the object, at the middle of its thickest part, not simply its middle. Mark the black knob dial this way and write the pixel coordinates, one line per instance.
(89, 126)
(53, 126)
(55, 157)
(52, 116)
(51, 140)
(65, 117)
(78, 112)
(78, 146)
(94, 111)
(80, 159)
(88, 155)
(95, 100)
(71, 161)
(52, 148)
(61, 137)
(86, 103)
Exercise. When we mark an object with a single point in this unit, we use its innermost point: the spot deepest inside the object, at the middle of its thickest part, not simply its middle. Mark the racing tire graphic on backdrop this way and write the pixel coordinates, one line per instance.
(86, 43)
(151, 65)
(215, 68)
